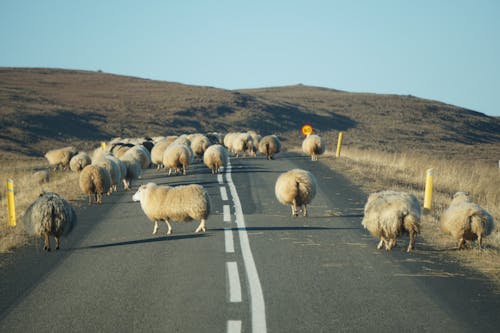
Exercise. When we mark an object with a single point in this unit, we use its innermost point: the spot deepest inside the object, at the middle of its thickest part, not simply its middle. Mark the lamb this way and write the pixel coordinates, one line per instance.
(95, 180)
(60, 158)
(49, 215)
(388, 214)
(179, 204)
(313, 146)
(215, 158)
(177, 156)
(269, 145)
(465, 220)
(297, 188)
(79, 161)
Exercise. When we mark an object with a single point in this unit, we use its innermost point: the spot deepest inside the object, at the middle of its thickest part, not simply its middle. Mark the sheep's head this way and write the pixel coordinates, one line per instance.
(461, 197)
(139, 194)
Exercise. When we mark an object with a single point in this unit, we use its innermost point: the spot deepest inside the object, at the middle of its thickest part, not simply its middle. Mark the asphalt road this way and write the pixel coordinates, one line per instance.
(255, 269)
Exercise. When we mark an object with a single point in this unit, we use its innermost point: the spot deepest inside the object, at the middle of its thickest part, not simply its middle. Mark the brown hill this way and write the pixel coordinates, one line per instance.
(41, 109)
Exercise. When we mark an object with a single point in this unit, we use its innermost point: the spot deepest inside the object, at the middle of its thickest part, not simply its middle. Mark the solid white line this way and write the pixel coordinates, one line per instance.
(223, 193)
(219, 178)
(228, 237)
(227, 213)
(234, 282)
(257, 305)
(234, 326)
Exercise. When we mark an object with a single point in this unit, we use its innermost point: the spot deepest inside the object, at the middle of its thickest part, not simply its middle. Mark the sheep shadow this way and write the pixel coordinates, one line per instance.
(292, 228)
(142, 241)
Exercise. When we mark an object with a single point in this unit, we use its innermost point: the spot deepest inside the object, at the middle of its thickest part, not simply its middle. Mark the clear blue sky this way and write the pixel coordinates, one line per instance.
(442, 50)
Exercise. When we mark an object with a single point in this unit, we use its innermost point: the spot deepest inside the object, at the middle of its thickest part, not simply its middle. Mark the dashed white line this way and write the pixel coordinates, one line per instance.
(220, 179)
(257, 305)
(223, 193)
(227, 213)
(228, 237)
(233, 326)
(234, 282)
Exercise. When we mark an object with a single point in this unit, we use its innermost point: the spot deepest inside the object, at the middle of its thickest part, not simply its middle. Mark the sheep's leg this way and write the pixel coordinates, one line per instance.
(201, 227)
(169, 171)
(169, 232)
(57, 242)
(46, 242)
(305, 210)
(411, 245)
(155, 228)
(381, 243)
(392, 243)
(294, 208)
(125, 184)
(184, 170)
(480, 241)
(461, 243)
(90, 199)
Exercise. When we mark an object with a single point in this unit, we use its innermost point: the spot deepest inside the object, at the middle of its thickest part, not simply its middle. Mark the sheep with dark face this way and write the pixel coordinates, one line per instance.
(465, 220)
(49, 215)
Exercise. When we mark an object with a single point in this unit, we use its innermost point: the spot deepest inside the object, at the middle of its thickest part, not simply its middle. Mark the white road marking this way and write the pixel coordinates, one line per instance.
(227, 213)
(234, 282)
(220, 179)
(257, 305)
(233, 326)
(228, 237)
(223, 193)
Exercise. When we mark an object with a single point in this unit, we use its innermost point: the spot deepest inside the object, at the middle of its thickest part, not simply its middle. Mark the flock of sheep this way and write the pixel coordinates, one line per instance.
(387, 214)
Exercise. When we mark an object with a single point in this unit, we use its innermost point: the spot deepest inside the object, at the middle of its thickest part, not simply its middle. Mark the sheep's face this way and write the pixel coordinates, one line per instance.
(140, 192)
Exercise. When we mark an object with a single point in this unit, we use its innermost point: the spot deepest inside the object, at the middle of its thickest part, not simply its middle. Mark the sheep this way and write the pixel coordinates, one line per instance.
(59, 158)
(177, 156)
(269, 145)
(79, 161)
(215, 158)
(199, 143)
(228, 141)
(215, 138)
(122, 166)
(183, 139)
(114, 170)
(255, 140)
(157, 152)
(465, 220)
(242, 143)
(41, 176)
(297, 188)
(179, 204)
(313, 146)
(388, 214)
(95, 180)
(49, 215)
(141, 153)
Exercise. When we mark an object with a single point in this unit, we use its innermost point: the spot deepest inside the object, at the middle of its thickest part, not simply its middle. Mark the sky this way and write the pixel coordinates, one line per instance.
(446, 50)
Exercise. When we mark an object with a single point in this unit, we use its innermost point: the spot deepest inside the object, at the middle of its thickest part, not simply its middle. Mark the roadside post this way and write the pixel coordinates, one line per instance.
(339, 144)
(428, 190)
(10, 203)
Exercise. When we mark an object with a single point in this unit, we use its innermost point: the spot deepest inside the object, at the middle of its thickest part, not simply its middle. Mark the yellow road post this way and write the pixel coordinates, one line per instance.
(428, 190)
(10, 203)
(339, 143)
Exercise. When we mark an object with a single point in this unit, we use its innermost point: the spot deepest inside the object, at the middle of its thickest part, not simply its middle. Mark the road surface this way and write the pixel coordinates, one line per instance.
(256, 269)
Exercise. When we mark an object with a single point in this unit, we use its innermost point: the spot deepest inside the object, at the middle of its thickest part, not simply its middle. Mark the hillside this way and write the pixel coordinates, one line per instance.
(42, 109)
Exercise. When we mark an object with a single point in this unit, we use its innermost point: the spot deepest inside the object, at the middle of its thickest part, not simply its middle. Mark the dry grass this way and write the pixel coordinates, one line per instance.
(374, 171)
(26, 190)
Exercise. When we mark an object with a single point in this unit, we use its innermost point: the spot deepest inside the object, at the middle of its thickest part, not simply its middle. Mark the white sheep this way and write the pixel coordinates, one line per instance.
(60, 158)
(79, 161)
(228, 141)
(157, 152)
(177, 156)
(215, 158)
(465, 220)
(41, 177)
(95, 180)
(178, 204)
(388, 214)
(49, 215)
(114, 170)
(297, 188)
(313, 146)
(270, 145)
(199, 143)
(141, 153)
(133, 170)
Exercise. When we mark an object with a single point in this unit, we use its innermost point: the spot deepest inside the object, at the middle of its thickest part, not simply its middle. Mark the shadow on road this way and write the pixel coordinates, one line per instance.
(287, 228)
(142, 241)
